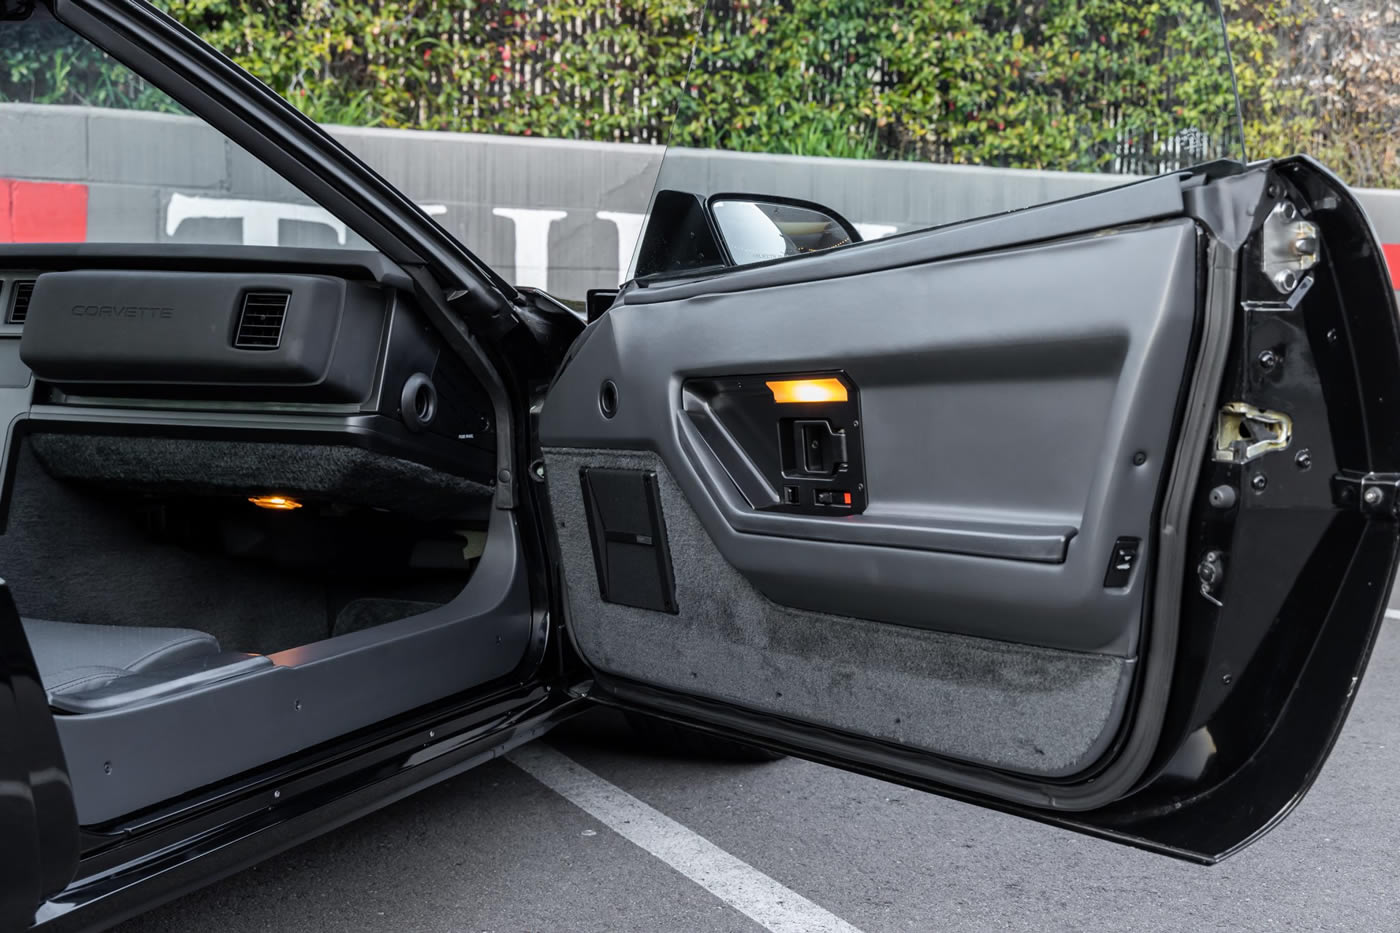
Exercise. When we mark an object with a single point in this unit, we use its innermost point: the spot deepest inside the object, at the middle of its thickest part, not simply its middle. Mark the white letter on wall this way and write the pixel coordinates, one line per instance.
(875, 231)
(629, 228)
(531, 243)
(260, 218)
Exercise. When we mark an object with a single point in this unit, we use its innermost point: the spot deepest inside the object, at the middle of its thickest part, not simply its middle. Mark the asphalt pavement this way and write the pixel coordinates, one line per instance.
(497, 850)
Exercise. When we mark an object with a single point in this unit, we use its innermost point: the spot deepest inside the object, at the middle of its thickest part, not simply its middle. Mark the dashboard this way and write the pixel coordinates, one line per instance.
(247, 345)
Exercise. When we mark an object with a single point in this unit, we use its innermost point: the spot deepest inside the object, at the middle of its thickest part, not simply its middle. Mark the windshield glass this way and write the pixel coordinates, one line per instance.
(90, 152)
(901, 116)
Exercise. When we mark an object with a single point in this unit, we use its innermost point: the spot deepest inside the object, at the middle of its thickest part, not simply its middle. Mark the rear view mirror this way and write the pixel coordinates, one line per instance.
(688, 232)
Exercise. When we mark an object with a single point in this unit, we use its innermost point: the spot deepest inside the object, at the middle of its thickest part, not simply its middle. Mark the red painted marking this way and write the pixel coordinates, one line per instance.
(1392, 259)
(5, 235)
(46, 212)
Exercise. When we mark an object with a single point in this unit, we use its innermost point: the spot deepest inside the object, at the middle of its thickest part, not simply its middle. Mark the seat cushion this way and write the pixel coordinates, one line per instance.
(73, 656)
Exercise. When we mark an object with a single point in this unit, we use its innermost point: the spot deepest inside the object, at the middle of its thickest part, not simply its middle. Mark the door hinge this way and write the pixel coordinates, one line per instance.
(1374, 494)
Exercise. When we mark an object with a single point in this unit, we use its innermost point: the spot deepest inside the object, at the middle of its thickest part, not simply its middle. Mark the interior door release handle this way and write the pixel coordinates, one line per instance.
(820, 450)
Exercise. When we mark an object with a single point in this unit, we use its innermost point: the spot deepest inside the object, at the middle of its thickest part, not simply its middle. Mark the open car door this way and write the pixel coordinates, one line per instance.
(1085, 512)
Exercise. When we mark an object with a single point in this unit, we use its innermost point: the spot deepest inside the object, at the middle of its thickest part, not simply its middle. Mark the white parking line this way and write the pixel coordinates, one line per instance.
(735, 882)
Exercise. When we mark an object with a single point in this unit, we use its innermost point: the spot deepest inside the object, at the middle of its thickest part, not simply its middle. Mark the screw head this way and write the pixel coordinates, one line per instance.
(297, 705)
(1258, 482)
(1140, 458)
(1304, 460)
(539, 469)
(1226, 679)
(106, 767)
(1372, 496)
(1332, 335)
(1268, 359)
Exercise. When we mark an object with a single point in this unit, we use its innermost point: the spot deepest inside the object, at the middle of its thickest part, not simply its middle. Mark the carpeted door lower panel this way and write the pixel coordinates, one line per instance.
(1035, 710)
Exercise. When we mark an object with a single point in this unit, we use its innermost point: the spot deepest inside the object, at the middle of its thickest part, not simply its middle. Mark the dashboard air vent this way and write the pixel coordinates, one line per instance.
(19, 302)
(260, 323)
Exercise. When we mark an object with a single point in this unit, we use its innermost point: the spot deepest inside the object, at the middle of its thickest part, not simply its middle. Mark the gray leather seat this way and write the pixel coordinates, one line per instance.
(75, 657)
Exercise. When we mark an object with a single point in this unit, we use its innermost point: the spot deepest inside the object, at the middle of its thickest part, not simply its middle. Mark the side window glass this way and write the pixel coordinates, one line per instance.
(898, 117)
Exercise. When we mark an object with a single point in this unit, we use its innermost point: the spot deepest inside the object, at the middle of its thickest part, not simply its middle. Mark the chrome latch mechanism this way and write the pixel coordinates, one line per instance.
(1244, 433)
(1373, 494)
(1211, 572)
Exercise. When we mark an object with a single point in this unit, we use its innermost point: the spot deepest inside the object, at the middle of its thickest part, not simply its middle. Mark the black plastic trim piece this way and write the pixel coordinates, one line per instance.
(631, 551)
(356, 264)
(1047, 544)
(137, 866)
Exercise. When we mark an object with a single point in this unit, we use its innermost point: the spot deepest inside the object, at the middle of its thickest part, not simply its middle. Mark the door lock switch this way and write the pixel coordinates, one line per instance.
(821, 451)
(1121, 563)
(838, 498)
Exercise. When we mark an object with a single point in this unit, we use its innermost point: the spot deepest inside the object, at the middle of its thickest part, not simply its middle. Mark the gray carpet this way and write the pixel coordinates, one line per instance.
(70, 553)
(173, 466)
(1036, 710)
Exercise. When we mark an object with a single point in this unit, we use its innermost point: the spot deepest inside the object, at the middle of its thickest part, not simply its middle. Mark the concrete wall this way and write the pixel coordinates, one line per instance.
(553, 213)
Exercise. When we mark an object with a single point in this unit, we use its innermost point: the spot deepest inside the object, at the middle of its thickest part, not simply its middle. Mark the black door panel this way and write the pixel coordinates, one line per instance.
(1014, 427)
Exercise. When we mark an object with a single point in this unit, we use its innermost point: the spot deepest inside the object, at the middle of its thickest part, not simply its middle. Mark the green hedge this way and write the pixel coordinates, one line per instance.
(1087, 85)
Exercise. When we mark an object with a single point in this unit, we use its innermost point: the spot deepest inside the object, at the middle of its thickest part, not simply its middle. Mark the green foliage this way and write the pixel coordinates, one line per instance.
(44, 63)
(1085, 85)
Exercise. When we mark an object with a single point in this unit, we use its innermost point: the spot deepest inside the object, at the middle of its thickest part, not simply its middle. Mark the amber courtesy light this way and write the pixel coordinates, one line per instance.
(786, 391)
(280, 503)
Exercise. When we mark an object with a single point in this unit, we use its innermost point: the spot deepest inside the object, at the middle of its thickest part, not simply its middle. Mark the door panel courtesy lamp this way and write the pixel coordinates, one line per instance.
(277, 503)
(787, 391)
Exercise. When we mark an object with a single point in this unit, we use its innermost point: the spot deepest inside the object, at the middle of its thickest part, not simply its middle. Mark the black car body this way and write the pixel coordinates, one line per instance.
(1108, 547)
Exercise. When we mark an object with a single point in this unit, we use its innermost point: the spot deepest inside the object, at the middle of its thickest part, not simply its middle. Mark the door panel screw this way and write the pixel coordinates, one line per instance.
(1332, 335)
(1140, 458)
(1226, 679)
(1268, 359)
(1303, 460)
(1372, 496)
(1259, 482)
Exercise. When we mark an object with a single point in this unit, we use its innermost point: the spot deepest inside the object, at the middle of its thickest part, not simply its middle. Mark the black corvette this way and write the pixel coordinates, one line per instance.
(1086, 512)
